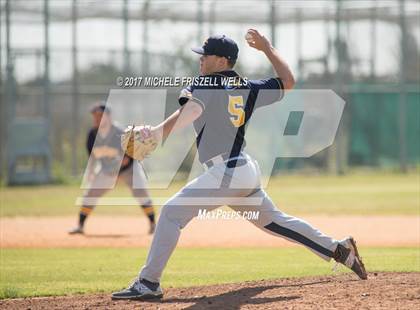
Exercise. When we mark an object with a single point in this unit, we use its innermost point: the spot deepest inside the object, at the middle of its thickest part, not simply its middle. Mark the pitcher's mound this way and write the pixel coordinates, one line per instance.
(380, 291)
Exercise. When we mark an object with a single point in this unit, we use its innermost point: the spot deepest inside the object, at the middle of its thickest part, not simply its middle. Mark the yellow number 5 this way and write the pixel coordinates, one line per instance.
(236, 110)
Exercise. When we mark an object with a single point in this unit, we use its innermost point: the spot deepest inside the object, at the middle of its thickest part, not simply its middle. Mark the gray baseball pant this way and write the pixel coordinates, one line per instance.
(239, 188)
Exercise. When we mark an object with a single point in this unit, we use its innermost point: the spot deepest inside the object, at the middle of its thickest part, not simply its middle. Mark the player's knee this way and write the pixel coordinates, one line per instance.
(86, 210)
(176, 214)
(148, 207)
(167, 211)
(147, 204)
(140, 193)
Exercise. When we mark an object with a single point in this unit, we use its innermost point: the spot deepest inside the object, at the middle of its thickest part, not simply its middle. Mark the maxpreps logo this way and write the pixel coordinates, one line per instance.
(219, 214)
(302, 124)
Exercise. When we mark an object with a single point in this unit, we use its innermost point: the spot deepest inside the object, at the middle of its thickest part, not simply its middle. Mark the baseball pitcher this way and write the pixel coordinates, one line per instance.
(219, 114)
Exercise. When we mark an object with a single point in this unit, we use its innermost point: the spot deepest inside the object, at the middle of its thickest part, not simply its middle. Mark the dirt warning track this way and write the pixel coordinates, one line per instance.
(107, 231)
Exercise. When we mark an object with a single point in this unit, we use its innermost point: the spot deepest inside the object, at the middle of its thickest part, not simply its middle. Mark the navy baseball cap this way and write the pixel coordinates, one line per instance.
(219, 45)
(100, 108)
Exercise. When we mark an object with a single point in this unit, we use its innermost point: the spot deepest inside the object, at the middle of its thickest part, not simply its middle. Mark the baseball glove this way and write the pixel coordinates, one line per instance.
(138, 142)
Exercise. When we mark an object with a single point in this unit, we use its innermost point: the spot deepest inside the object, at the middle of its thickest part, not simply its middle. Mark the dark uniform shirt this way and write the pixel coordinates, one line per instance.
(107, 149)
(227, 109)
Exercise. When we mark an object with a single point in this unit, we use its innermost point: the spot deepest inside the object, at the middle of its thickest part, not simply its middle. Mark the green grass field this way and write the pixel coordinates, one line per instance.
(356, 194)
(45, 272)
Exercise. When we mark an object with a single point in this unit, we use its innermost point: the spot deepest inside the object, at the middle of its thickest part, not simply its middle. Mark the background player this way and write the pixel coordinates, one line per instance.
(104, 147)
(219, 115)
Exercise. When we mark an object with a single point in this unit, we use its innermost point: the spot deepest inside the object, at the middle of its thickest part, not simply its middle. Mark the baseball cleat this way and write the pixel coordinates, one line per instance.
(140, 289)
(152, 228)
(347, 254)
(77, 230)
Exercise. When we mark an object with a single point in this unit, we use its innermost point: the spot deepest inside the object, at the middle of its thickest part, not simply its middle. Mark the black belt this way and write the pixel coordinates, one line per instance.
(224, 158)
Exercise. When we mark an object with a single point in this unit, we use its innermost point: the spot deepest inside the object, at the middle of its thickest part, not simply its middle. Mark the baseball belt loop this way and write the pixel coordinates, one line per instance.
(214, 161)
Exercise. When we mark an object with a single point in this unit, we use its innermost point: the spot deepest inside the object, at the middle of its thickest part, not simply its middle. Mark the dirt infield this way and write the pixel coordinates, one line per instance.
(106, 231)
(380, 291)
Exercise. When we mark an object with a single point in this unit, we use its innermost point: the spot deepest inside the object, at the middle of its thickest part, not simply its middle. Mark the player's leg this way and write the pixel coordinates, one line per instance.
(277, 223)
(280, 224)
(149, 211)
(89, 202)
(90, 198)
(135, 180)
(212, 186)
(174, 216)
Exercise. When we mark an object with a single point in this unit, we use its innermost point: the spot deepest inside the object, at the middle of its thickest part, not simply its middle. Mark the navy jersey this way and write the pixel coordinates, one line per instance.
(227, 108)
(107, 149)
